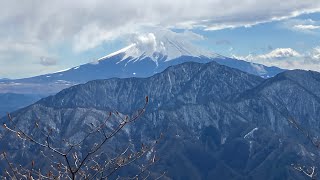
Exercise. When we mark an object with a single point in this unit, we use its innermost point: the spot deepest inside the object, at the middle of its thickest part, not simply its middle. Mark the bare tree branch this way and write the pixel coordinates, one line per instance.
(66, 163)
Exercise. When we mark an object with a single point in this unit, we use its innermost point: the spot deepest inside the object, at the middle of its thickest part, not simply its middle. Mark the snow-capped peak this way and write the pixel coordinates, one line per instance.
(160, 46)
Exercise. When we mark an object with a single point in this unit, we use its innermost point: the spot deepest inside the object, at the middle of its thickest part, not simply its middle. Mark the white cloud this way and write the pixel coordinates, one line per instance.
(280, 53)
(22, 59)
(20, 47)
(48, 61)
(82, 25)
(306, 27)
(287, 58)
(317, 53)
(314, 54)
(151, 36)
(274, 56)
(87, 24)
(148, 40)
(302, 25)
(93, 35)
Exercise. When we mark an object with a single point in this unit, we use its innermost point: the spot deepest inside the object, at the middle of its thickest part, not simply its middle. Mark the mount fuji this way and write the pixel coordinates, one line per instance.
(148, 55)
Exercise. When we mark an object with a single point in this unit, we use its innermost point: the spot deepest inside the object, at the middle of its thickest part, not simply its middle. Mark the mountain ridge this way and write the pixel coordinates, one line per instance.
(180, 69)
(191, 108)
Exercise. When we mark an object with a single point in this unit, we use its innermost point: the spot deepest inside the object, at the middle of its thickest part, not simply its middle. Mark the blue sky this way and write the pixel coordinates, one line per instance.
(262, 37)
(38, 37)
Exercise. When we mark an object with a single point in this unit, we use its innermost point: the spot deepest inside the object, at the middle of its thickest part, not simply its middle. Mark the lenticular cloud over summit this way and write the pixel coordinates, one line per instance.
(148, 40)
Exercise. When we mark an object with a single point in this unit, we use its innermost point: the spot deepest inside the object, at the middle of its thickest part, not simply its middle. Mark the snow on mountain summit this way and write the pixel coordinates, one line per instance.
(160, 46)
(146, 55)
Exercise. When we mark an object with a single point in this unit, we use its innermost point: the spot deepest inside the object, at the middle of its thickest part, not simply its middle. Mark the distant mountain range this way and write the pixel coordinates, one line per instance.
(219, 122)
(136, 60)
(10, 102)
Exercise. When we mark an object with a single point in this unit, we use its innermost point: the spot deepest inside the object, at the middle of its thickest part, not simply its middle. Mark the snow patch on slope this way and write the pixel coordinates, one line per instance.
(250, 134)
(123, 50)
(62, 70)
